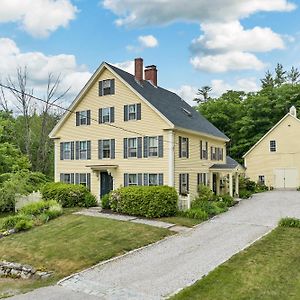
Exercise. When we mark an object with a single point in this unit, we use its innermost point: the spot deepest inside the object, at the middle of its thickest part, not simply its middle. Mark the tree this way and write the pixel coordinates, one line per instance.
(204, 93)
(280, 75)
(3, 100)
(268, 81)
(293, 75)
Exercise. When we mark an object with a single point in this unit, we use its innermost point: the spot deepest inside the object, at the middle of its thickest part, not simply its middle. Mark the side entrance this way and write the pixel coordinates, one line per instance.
(106, 183)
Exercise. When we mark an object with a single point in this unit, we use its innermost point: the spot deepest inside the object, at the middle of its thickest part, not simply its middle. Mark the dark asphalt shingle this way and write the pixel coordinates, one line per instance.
(230, 164)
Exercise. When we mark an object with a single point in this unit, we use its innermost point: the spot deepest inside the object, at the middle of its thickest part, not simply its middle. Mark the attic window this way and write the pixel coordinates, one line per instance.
(187, 112)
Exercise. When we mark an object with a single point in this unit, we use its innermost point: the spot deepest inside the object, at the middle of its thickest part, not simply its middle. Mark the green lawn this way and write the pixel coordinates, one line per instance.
(269, 269)
(181, 221)
(71, 243)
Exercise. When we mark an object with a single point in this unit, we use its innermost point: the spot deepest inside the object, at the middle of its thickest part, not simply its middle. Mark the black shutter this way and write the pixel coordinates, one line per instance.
(61, 177)
(206, 156)
(72, 150)
(125, 148)
(125, 112)
(88, 181)
(77, 118)
(180, 145)
(88, 122)
(77, 150)
(146, 176)
(100, 147)
(187, 148)
(112, 86)
(88, 150)
(160, 179)
(180, 181)
(112, 115)
(140, 179)
(138, 111)
(72, 178)
(160, 146)
(201, 156)
(139, 147)
(198, 180)
(100, 88)
(146, 138)
(100, 115)
(76, 178)
(61, 145)
(112, 148)
(188, 183)
(126, 179)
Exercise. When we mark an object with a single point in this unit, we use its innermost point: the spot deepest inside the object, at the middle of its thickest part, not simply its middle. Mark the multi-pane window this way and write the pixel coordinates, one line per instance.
(132, 110)
(132, 179)
(67, 150)
(106, 115)
(66, 178)
(272, 146)
(203, 150)
(106, 86)
(202, 178)
(183, 147)
(183, 184)
(261, 179)
(153, 179)
(83, 179)
(132, 147)
(106, 149)
(83, 150)
(83, 117)
(153, 146)
(216, 153)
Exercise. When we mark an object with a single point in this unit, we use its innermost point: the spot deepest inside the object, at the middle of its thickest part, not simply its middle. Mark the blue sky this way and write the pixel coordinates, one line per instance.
(227, 44)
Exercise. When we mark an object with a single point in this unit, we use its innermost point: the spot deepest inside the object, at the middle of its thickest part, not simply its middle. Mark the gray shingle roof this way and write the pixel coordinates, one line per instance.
(176, 110)
(230, 164)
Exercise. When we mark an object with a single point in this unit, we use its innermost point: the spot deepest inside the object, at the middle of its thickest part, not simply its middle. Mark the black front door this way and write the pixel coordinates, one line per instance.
(106, 183)
(215, 183)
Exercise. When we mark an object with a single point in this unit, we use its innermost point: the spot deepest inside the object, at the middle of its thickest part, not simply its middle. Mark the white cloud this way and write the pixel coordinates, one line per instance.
(38, 17)
(127, 66)
(234, 60)
(40, 65)
(187, 93)
(160, 12)
(148, 41)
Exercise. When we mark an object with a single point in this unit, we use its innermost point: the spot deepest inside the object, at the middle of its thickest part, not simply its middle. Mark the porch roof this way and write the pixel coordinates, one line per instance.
(102, 167)
(230, 165)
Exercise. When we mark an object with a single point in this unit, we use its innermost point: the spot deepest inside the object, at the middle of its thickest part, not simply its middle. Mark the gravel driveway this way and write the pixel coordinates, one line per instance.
(163, 268)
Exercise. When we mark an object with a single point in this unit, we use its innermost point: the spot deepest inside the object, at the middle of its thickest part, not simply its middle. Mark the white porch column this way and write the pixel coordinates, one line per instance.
(171, 159)
(230, 185)
(237, 184)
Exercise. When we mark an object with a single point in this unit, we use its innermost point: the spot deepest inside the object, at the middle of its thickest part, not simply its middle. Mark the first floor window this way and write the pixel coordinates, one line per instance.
(261, 179)
(67, 178)
(153, 146)
(272, 146)
(83, 150)
(153, 179)
(67, 150)
(184, 184)
(83, 179)
(132, 179)
(106, 149)
(132, 147)
(202, 178)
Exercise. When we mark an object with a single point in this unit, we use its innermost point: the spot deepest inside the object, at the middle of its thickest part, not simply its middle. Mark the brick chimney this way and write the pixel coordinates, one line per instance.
(138, 69)
(151, 74)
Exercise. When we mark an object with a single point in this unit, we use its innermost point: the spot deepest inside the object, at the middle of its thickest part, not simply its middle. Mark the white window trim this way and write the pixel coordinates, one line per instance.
(109, 143)
(83, 118)
(136, 176)
(69, 151)
(109, 116)
(136, 148)
(156, 139)
(103, 88)
(273, 147)
(135, 112)
(81, 151)
(184, 141)
(65, 181)
(83, 182)
(184, 182)
(157, 179)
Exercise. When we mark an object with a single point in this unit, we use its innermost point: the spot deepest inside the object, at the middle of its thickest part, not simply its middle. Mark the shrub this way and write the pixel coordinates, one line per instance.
(105, 202)
(11, 221)
(244, 194)
(289, 222)
(7, 199)
(37, 208)
(23, 224)
(146, 201)
(205, 193)
(228, 200)
(54, 211)
(247, 184)
(68, 195)
(196, 213)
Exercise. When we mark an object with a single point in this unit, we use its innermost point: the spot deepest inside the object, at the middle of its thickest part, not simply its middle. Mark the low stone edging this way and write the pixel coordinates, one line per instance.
(16, 270)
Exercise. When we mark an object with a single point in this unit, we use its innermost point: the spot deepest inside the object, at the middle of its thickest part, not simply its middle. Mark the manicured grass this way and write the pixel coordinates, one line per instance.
(71, 243)
(269, 269)
(181, 221)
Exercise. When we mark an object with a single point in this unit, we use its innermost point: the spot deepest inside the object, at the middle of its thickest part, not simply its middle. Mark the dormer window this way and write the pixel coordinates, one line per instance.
(106, 87)
(273, 146)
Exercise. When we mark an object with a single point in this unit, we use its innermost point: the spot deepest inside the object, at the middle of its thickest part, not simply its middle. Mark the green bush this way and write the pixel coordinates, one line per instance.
(227, 199)
(244, 194)
(289, 222)
(36, 208)
(23, 224)
(7, 199)
(195, 213)
(11, 221)
(146, 201)
(205, 193)
(105, 202)
(68, 195)
(54, 211)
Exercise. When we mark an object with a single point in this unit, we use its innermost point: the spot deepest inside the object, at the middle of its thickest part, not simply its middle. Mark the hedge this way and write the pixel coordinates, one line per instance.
(68, 195)
(145, 201)
(290, 222)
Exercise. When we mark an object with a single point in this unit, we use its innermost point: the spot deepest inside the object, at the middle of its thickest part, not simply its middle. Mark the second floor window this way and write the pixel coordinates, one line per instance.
(203, 150)
(106, 115)
(153, 146)
(183, 147)
(83, 117)
(273, 146)
(132, 147)
(83, 150)
(67, 150)
(106, 149)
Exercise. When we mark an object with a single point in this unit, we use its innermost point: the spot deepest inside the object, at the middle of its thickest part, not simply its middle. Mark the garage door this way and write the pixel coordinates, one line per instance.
(286, 178)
